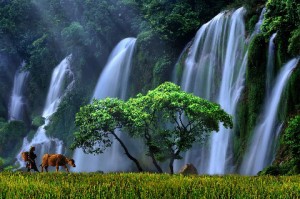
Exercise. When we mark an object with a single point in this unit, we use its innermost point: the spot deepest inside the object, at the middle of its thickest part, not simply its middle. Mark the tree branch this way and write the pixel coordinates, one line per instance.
(127, 152)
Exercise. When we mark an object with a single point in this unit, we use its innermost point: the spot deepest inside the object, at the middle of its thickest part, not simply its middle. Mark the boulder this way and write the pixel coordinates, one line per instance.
(188, 169)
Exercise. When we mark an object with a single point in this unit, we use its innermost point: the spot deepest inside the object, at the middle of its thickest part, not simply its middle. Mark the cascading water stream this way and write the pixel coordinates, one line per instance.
(41, 141)
(113, 82)
(17, 102)
(262, 146)
(214, 70)
(229, 92)
(270, 65)
(232, 84)
(258, 24)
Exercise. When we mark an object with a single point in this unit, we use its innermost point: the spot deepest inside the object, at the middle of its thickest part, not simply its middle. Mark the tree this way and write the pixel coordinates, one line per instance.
(97, 123)
(168, 120)
(173, 120)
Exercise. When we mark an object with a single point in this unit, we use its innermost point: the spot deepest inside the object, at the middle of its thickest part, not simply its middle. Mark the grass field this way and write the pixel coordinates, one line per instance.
(144, 185)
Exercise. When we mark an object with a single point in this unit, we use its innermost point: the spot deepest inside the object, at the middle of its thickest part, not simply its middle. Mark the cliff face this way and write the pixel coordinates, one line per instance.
(279, 23)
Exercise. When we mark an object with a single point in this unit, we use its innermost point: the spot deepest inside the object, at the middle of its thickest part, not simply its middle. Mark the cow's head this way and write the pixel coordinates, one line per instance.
(71, 162)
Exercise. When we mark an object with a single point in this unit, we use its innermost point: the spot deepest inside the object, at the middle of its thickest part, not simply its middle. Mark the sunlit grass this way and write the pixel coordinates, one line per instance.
(144, 185)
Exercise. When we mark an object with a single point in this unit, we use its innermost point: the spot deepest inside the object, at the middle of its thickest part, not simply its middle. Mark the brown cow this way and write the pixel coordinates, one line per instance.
(56, 160)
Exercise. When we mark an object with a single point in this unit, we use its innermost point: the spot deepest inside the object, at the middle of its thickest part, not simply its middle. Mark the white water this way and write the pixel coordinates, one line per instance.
(231, 87)
(113, 82)
(258, 24)
(41, 141)
(220, 153)
(17, 102)
(270, 65)
(219, 50)
(261, 148)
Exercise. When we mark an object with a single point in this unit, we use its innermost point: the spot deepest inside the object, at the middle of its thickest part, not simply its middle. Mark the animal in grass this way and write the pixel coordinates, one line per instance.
(188, 169)
(56, 160)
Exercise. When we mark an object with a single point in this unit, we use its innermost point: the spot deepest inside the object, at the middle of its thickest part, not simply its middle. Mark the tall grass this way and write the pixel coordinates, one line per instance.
(144, 185)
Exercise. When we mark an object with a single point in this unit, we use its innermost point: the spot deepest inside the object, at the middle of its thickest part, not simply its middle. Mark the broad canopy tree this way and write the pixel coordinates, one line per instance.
(167, 119)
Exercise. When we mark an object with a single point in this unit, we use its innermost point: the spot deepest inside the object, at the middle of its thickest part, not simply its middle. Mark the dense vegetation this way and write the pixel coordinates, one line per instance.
(167, 119)
(145, 185)
(281, 17)
(43, 32)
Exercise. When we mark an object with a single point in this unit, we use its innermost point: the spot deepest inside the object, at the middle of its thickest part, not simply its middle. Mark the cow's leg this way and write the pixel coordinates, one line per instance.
(46, 168)
(66, 168)
(57, 165)
(42, 168)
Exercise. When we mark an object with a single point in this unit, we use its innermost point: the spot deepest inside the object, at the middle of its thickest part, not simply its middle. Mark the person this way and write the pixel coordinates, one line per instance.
(31, 160)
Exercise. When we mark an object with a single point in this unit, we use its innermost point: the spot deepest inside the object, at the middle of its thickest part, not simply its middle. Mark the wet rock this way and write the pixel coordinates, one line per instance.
(188, 169)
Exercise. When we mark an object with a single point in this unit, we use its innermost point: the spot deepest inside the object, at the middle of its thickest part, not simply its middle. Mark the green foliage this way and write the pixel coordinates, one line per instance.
(148, 49)
(164, 29)
(144, 185)
(172, 21)
(1, 163)
(250, 5)
(168, 119)
(74, 34)
(41, 53)
(37, 121)
(96, 122)
(255, 80)
(5, 164)
(292, 96)
(61, 123)
(147, 38)
(31, 134)
(250, 25)
(251, 101)
(9, 168)
(291, 138)
(289, 167)
(174, 120)
(180, 64)
(160, 70)
(176, 21)
(44, 32)
(10, 134)
(294, 40)
(15, 18)
(273, 170)
(283, 17)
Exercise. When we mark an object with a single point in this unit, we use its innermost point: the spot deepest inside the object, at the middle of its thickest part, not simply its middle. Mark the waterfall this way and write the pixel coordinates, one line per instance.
(270, 64)
(113, 82)
(230, 89)
(261, 148)
(214, 70)
(17, 102)
(258, 24)
(220, 161)
(41, 141)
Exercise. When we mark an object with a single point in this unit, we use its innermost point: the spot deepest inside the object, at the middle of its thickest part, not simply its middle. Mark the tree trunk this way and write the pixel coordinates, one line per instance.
(155, 163)
(172, 162)
(127, 152)
(171, 165)
(148, 139)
